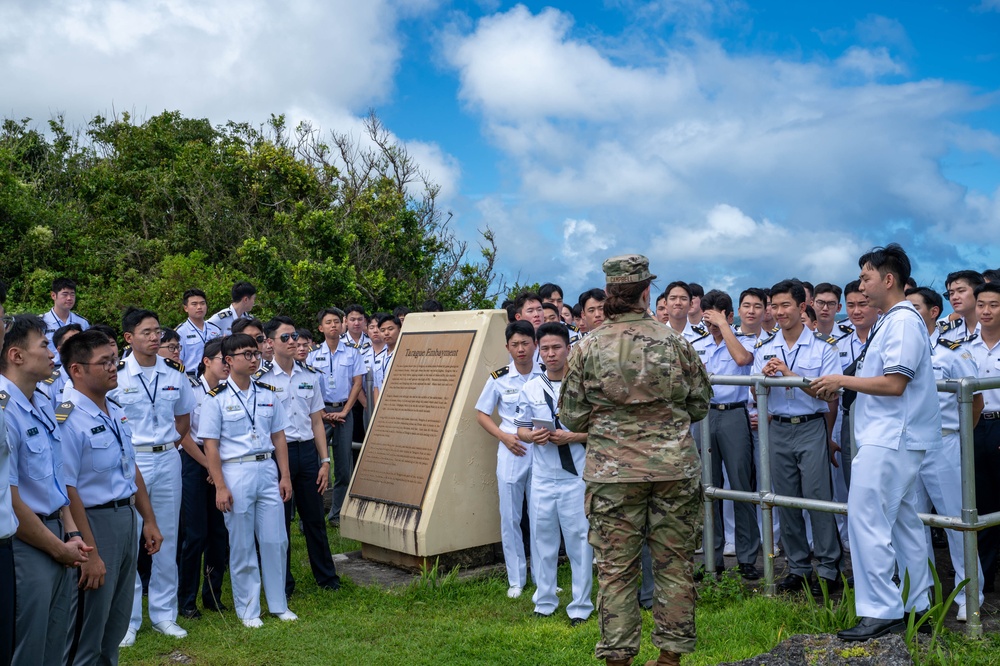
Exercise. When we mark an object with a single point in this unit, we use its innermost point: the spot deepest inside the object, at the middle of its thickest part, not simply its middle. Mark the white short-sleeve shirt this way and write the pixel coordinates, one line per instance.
(152, 404)
(501, 392)
(242, 421)
(532, 404)
(809, 357)
(301, 395)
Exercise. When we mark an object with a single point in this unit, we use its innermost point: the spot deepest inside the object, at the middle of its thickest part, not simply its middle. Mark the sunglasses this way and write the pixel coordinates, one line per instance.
(285, 337)
(8, 321)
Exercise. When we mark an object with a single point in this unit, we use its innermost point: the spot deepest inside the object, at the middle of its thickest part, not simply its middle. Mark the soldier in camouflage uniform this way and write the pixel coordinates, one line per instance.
(635, 387)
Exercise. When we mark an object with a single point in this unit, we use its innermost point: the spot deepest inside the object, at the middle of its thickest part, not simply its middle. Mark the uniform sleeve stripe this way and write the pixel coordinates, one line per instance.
(898, 370)
(522, 424)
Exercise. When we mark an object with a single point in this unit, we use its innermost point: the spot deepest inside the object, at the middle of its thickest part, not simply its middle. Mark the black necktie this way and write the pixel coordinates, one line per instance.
(565, 455)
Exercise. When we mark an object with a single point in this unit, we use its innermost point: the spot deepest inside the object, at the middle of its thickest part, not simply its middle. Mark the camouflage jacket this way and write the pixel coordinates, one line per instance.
(635, 387)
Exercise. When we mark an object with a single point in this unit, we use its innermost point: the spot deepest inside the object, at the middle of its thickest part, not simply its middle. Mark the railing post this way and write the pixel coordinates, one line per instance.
(970, 513)
(765, 486)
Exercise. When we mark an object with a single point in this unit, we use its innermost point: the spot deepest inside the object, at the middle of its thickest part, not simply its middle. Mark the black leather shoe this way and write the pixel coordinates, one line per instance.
(792, 583)
(748, 571)
(870, 627)
(190, 613)
(832, 585)
(577, 621)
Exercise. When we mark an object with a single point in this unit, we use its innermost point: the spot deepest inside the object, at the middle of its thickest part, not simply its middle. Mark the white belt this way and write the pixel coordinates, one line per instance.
(159, 448)
(948, 431)
(253, 457)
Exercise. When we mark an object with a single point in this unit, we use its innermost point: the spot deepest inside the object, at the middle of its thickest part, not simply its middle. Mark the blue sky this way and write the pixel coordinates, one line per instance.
(735, 143)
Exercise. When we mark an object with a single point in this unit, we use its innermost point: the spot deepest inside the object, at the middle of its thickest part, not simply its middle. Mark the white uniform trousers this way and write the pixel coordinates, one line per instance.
(554, 505)
(257, 512)
(940, 484)
(884, 526)
(514, 485)
(161, 473)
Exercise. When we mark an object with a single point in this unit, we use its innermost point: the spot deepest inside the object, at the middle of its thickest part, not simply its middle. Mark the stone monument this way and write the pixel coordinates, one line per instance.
(425, 487)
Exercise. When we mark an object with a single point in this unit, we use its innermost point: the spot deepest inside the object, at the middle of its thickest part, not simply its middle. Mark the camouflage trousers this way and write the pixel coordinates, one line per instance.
(621, 515)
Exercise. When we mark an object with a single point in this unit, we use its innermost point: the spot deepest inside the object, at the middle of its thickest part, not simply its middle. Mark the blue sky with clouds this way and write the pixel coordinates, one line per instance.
(735, 143)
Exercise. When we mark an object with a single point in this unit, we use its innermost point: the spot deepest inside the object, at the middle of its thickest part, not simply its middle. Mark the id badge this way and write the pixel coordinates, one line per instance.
(331, 381)
(789, 393)
(255, 438)
(126, 467)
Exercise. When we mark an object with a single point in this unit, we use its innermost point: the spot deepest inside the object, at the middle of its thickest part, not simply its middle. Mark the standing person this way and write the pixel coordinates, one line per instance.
(556, 503)
(105, 489)
(48, 544)
(8, 523)
(961, 293)
(634, 388)
(242, 425)
(695, 310)
(156, 396)
(342, 368)
(672, 307)
(244, 297)
(195, 332)
(389, 326)
(897, 419)
(355, 335)
(299, 387)
(513, 455)
(827, 305)
(63, 296)
(204, 531)
(591, 306)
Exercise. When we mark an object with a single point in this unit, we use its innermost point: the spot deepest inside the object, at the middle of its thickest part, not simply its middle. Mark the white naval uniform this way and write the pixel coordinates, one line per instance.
(243, 422)
(53, 323)
(151, 405)
(940, 481)
(193, 341)
(513, 472)
(224, 320)
(954, 330)
(892, 435)
(556, 503)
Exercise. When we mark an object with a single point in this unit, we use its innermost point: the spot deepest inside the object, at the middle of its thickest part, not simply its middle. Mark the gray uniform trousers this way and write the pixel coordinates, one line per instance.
(340, 438)
(44, 590)
(103, 615)
(732, 444)
(800, 467)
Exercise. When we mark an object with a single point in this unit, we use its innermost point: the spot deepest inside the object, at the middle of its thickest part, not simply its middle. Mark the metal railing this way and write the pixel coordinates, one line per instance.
(969, 522)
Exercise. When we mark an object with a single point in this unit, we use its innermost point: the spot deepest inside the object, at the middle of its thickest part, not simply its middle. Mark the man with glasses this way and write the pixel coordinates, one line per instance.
(61, 313)
(103, 485)
(301, 393)
(827, 306)
(156, 396)
(342, 368)
(255, 329)
(242, 424)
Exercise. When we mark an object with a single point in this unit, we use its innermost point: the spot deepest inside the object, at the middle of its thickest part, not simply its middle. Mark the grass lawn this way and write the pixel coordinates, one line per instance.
(448, 621)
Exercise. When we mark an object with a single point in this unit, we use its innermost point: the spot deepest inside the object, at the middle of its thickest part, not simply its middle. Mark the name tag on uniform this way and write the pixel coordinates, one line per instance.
(320, 358)
(232, 408)
(843, 353)
(305, 386)
(768, 357)
(278, 389)
(97, 430)
(511, 391)
(192, 336)
(701, 352)
(130, 389)
(32, 432)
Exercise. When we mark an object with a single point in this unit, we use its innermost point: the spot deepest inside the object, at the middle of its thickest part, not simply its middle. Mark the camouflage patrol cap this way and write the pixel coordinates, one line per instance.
(627, 269)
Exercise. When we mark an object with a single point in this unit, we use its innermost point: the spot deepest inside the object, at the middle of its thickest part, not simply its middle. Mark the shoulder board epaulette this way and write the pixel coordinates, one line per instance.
(218, 389)
(955, 344)
(846, 328)
(4, 397)
(542, 366)
(500, 372)
(764, 341)
(121, 365)
(825, 338)
(701, 331)
(171, 363)
(51, 379)
(225, 314)
(194, 381)
(306, 366)
(260, 373)
(63, 410)
(946, 325)
(366, 345)
(573, 327)
(266, 386)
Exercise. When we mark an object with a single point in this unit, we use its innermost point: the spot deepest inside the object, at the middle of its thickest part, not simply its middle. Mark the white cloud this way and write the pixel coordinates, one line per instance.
(989, 6)
(582, 247)
(819, 158)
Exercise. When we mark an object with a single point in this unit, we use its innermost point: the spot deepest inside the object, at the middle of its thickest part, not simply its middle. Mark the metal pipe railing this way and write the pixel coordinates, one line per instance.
(969, 522)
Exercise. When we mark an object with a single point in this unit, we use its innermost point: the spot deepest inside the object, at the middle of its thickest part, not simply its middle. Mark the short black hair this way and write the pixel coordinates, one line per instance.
(811, 312)
(508, 305)
(271, 327)
(670, 287)
(717, 300)
(80, 348)
(168, 334)
(61, 332)
(241, 290)
(577, 311)
(134, 316)
(389, 317)
(18, 334)
(523, 298)
(325, 312)
(212, 349)
(63, 283)
(354, 307)
(551, 306)
(596, 293)
(106, 330)
(989, 275)
(242, 323)
(431, 305)
(889, 259)
(828, 288)
(235, 342)
(547, 289)
(193, 292)
(991, 287)
(401, 311)
(792, 287)
(852, 287)
(931, 298)
(974, 278)
(552, 328)
(696, 289)
(809, 286)
(305, 333)
(756, 292)
(520, 327)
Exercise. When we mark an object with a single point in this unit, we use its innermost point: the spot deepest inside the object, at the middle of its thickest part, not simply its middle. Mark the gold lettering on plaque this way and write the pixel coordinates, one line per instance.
(416, 402)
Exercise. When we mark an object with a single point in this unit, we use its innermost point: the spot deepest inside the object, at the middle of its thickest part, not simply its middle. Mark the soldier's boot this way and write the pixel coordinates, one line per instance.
(618, 662)
(666, 659)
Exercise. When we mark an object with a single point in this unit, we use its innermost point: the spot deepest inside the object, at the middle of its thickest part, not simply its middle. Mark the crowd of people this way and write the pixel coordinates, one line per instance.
(195, 447)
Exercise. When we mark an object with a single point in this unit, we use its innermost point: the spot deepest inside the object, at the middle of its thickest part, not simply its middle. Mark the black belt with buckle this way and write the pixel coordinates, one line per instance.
(6, 542)
(728, 405)
(795, 420)
(51, 516)
(335, 405)
(115, 504)
(990, 416)
(310, 442)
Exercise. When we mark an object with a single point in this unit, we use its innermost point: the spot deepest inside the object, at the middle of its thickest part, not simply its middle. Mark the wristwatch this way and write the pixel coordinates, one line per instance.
(323, 460)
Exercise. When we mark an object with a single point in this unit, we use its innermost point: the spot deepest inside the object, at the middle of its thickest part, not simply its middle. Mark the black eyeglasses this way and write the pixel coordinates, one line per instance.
(8, 321)
(172, 348)
(260, 338)
(248, 354)
(285, 337)
(108, 365)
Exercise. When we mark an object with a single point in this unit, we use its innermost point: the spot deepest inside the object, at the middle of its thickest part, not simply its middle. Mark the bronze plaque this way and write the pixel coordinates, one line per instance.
(404, 436)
